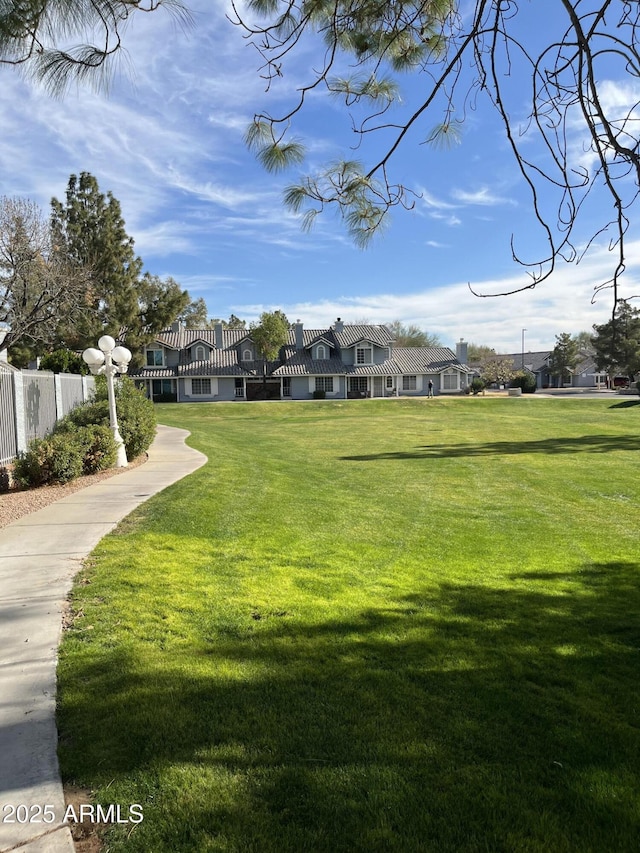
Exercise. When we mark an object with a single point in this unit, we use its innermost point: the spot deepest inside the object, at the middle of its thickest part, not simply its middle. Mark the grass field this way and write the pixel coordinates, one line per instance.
(392, 625)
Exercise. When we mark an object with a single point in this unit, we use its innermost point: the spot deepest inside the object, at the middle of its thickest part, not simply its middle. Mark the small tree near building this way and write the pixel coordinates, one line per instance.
(497, 371)
(269, 336)
(564, 357)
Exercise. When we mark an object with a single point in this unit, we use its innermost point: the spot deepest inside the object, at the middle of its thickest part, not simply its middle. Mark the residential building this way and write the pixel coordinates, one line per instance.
(585, 375)
(342, 362)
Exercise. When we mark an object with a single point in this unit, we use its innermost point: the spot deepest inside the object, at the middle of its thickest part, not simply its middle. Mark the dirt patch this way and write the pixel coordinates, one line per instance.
(87, 835)
(17, 503)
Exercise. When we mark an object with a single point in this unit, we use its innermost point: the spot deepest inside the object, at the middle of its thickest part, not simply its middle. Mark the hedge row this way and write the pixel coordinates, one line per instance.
(82, 442)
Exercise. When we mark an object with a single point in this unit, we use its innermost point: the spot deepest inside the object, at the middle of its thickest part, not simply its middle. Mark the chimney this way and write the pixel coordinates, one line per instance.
(338, 326)
(461, 351)
(297, 327)
(217, 336)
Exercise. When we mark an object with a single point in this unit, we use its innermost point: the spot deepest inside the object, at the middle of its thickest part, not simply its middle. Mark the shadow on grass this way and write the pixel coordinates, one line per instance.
(459, 718)
(627, 404)
(551, 446)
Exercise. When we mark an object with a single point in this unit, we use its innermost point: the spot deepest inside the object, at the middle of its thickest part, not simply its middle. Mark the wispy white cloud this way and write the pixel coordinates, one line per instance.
(562, 304)
(483, 196)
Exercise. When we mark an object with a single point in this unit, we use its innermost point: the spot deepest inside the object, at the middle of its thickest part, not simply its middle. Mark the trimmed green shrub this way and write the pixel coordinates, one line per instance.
(526, 381)
(136, 415)
(30, 466)
(88, 414)
(477, 385)
(55, 459)
(99, 448)
(136, 418)
(319, 395)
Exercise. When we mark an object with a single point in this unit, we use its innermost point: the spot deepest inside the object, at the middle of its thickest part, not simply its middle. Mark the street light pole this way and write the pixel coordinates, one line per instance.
(109, 360)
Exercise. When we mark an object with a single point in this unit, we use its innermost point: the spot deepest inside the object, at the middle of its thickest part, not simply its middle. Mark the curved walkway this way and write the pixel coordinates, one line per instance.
(39, 557)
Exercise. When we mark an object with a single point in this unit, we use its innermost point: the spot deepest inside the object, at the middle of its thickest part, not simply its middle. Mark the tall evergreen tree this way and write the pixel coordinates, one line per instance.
(90, 229)
(564, 357)
(617, 343)
(122, 302)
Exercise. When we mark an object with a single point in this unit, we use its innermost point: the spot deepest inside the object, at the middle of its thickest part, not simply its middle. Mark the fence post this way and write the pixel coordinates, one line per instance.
(86, 388)
(21, 424)
(57, 389)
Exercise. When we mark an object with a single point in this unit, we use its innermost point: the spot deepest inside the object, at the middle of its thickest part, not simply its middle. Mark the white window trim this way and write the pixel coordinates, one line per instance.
(359, 379)
(321, 348)
(449, 372)
(155, 349)
(244, 355)
(335, 384)
(200, 348)
(367, 348)
(188, 387)
(406, 376)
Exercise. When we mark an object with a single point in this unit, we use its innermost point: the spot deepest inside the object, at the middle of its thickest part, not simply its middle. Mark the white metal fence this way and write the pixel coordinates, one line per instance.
(32, 401)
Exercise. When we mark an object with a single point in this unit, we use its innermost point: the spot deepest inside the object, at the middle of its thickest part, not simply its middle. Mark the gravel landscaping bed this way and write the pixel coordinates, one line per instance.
(20, 502)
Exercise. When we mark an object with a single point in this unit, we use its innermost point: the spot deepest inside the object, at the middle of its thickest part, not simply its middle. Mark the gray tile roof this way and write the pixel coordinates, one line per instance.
(423, 359)
(184, 338)
(533, 361)
(153, 372)
(300, 363)
(224, 362)
(217, 368)
(351, 335)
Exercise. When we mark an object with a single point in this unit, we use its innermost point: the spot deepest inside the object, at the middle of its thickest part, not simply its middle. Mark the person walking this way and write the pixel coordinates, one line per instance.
(430, 389)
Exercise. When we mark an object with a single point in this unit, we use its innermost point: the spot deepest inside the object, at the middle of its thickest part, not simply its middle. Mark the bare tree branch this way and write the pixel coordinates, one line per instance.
(590, 145)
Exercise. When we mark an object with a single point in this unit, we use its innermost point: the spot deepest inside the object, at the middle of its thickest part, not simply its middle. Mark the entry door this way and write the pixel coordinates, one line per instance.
(378, 387)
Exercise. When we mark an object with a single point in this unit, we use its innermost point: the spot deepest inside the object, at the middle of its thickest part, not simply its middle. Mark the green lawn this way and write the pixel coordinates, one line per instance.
(370, 626)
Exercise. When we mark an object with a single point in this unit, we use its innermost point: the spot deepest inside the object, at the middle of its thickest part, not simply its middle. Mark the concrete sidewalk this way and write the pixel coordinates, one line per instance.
(39, 556)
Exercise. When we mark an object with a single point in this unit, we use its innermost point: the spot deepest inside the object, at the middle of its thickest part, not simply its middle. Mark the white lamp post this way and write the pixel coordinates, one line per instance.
(109, 360)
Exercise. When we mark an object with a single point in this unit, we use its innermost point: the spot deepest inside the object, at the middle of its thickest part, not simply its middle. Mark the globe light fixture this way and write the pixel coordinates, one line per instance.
(108, 360)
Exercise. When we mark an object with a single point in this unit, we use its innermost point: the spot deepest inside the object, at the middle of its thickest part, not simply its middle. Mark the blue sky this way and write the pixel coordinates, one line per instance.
(167, 140)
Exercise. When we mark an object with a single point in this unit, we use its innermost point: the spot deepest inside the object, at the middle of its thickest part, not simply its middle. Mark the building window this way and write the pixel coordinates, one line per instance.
(324, 383)
(450, 381)
(364, 355)
(321, 352)
(389, 381)
(239, 388)
(409, 383)
(200, 353)
(247, 355)
(201, 386)
(357, 383)
(286, 386)
(155, 358)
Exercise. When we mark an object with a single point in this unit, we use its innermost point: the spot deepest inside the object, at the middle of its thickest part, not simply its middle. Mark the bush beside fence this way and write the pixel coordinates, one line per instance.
(32, 402)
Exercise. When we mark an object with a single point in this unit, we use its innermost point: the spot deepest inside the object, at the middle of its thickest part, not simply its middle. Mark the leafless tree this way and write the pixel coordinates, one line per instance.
(38, 285)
